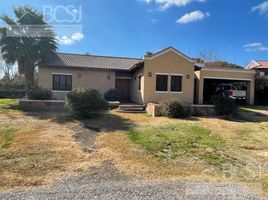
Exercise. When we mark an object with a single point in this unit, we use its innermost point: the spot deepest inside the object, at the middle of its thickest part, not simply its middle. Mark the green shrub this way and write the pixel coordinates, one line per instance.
(40, 94)
(112, 95)
(86, 103)
(12, 93)
(224, 105)
(173, 108)
(261, 90)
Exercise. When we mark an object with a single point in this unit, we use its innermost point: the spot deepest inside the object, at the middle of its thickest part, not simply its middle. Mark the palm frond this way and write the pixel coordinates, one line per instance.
(8, 20)
(27, 51)
(29, 16)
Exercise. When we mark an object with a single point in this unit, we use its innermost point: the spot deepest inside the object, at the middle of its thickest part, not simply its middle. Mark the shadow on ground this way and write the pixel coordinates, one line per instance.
(54, 116)
(107, 122)
(244, 115)
(252, 115)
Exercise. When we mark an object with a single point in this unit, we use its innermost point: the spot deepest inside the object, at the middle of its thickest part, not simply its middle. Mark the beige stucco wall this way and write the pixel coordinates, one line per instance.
(169, 62)
(137, 95)
(231, 74)
(94, 79)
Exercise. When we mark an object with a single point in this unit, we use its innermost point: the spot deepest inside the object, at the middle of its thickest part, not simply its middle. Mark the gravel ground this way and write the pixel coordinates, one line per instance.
(106, 182)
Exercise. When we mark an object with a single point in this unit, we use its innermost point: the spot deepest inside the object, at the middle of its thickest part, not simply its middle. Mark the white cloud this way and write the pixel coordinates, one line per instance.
(262, 8)
(69, 40)
(147, 1)
(154, 21)
(65, 40)
(192, 17)
(77, 36)
(164, 4)
(255, 46)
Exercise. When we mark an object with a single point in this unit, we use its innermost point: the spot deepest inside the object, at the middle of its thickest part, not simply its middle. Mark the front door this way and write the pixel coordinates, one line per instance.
(123, 86)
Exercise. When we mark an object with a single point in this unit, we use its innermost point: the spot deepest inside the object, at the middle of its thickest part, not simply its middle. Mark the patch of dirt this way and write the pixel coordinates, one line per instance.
(84, 135)
(250, 147)
(105, 172)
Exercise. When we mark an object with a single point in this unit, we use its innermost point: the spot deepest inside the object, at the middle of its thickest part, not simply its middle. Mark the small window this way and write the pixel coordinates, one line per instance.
(161, 83)
(139, 86)
(266, 73)
(62, 82)
(176, 83)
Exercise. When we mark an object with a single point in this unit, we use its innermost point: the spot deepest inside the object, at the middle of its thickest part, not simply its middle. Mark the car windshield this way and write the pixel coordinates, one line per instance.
(227, 87)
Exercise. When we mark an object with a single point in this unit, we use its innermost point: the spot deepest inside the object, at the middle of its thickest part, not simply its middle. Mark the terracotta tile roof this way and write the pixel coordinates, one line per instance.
(91, 61)
(255, 64)
(262, 64)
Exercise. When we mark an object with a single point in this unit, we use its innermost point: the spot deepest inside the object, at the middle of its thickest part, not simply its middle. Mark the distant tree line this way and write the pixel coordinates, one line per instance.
(211, 58)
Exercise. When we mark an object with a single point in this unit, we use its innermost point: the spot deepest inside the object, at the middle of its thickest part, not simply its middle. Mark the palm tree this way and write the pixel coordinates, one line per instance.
(26, 47)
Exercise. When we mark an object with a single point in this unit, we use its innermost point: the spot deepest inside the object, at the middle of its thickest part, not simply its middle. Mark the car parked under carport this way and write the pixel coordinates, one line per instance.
(225, 87)
(208, 79)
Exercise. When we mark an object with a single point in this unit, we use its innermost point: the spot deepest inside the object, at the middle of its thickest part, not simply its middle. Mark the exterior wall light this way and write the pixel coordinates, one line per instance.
(150, 74)
(79, 75)
(188, 76)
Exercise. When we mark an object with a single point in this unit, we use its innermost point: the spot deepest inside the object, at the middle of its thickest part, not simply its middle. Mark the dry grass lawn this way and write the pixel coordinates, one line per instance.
(37, 150)
(34, 151)
(245, 142)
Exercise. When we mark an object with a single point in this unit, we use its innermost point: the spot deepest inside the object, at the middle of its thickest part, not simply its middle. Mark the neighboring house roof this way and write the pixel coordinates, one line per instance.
(254, 64)
(91, 61)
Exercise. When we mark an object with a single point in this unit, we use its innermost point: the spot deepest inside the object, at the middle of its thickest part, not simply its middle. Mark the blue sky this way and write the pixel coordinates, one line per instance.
(236, 29)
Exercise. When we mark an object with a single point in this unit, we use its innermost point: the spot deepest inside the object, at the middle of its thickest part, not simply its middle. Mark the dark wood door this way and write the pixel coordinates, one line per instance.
(123, 86)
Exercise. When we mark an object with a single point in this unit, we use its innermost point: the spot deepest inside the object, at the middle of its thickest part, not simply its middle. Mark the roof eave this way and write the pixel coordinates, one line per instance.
(82, 67)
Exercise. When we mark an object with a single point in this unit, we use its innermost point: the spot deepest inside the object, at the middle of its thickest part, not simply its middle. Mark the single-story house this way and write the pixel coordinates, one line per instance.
(261, 67)
(165, 74)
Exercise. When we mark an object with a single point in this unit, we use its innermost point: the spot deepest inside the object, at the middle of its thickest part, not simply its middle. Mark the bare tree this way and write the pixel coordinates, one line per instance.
(7, 71)
(210, 55)
(211, 58)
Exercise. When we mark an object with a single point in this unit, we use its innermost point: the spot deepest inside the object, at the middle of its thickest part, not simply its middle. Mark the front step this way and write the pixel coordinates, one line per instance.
(131, 111)
(132, 108)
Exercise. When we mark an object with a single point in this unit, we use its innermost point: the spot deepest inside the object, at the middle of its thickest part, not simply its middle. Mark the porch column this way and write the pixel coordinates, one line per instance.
(201, 90)
(250, 92)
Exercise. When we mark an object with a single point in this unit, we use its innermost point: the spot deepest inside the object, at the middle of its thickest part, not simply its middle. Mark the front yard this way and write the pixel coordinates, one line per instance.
(36, 150)
(39, 148)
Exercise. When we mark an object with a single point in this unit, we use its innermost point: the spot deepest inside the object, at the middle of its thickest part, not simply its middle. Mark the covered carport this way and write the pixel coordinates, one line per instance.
(207, 80)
